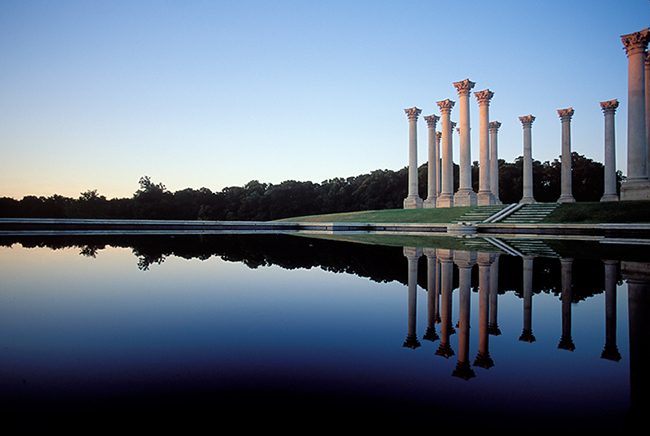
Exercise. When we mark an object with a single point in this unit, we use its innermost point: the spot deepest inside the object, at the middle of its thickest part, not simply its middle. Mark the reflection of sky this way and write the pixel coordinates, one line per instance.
(69, 322)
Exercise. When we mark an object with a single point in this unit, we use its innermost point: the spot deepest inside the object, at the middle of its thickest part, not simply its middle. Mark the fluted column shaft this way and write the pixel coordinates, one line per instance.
(494, 161)
(465, 195)
(432, 170)
(527, 123)
(566, 195)
(413, 201)
(609, 109)
(637, 185)
(485, 196)
(446, 198)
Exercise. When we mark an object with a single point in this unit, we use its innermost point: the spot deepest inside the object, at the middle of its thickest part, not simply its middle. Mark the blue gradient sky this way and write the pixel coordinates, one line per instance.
(217, 93)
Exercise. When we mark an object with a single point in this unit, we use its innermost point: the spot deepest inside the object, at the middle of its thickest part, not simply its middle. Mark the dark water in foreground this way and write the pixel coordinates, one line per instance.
(201, 327)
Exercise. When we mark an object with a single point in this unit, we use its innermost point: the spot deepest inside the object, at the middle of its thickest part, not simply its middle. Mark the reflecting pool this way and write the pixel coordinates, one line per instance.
(289, 326)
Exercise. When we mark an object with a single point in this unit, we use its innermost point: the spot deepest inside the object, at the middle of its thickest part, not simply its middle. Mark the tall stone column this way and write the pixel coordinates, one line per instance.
(413, 255)
(636, 186)
(494, 161)
(566, 195)
(432, 185)
(438, 179)
(465, 195)
(413, 201)
(446, 198)
(609, 108)
(647, 113)
(527, 123)
(485, 196)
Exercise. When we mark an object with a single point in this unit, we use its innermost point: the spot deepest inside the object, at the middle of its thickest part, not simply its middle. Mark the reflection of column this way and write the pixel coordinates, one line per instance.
(465, 195)
(566, 342)
(527, 123)
(565, 195)
(494, 295)
(494, 161)
(413, 255)
(464, 260)
(527, 334)
(432, 185)
(637, 276)
(483, 358)
(611, 350)
(485, 196)
(609, 108)
(413, 201)
(432, 294)
(446, 288)
(446, 198)
(636, 186)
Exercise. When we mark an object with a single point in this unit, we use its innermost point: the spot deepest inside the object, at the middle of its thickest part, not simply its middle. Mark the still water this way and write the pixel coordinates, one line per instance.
(294, 326)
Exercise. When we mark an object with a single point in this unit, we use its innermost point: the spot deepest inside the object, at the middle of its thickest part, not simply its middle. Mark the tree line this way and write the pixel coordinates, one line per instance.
(256, 201)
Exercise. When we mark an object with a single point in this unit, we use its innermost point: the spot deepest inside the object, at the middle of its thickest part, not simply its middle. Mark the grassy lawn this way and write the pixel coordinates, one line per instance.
(442, 215)
(596, 212)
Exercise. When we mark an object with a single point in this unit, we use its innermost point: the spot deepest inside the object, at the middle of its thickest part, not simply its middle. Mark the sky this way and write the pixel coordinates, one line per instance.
(96, 94)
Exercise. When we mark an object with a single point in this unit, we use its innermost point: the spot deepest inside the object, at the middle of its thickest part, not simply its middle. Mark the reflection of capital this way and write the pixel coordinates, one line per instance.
(431, 121)
(494, 125)
(565, 114)
(445, 105)
(636, 42)
(484, 97)
(464, 87)
(413, 113)
(609, 106)
(527, 121)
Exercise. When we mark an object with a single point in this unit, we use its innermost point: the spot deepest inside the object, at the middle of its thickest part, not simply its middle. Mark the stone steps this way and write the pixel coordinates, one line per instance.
(479, 213)
(530, 214)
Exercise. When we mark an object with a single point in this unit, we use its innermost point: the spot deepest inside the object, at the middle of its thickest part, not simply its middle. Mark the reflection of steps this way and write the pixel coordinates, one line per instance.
(479, 213)
(512, 246)
(531, 247)
(483, 245)
(530, 214)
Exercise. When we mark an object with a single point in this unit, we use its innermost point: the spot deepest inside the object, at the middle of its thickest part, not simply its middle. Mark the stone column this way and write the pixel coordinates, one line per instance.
(609, 108)
(494, 161)
(413, 255)
(527, 333)
(565, 194)
(527, 123)
(647, 113)
(438, 179)
(485, 196)
(465, 195)
(413, 201)
(637, 185)
(432, 185)
(446, 198)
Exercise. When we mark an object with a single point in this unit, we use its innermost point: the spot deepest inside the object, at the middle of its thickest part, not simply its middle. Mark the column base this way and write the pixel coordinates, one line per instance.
(609, 197)
(445, 200)
(485, 198)
(566, 198)
(466, 197)
(413, 202)
(429, 203)
(635, 189)
(527, 200)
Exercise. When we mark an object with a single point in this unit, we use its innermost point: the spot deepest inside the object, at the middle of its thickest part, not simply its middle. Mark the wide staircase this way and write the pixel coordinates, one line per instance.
(480, 213)
(529, 214)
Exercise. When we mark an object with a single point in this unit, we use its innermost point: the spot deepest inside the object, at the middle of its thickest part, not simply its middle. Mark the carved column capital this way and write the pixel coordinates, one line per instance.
(494, 125)
(438, 136)
(527, 120)
(446, 105)
(484, 97)
(636, 42)
(609, 106)
(431, 121)
(464, 87)
(565, 114)
(413, 113)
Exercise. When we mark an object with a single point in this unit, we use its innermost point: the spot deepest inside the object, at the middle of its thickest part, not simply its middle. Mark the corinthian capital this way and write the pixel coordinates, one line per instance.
(431, 121)
(494, 125)
(464, 87)
(413, 113)
(484, 97)
(446, 105)
(438, 136)
(527, 121)
(609, 106)
(565, 114)
(636, 42)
